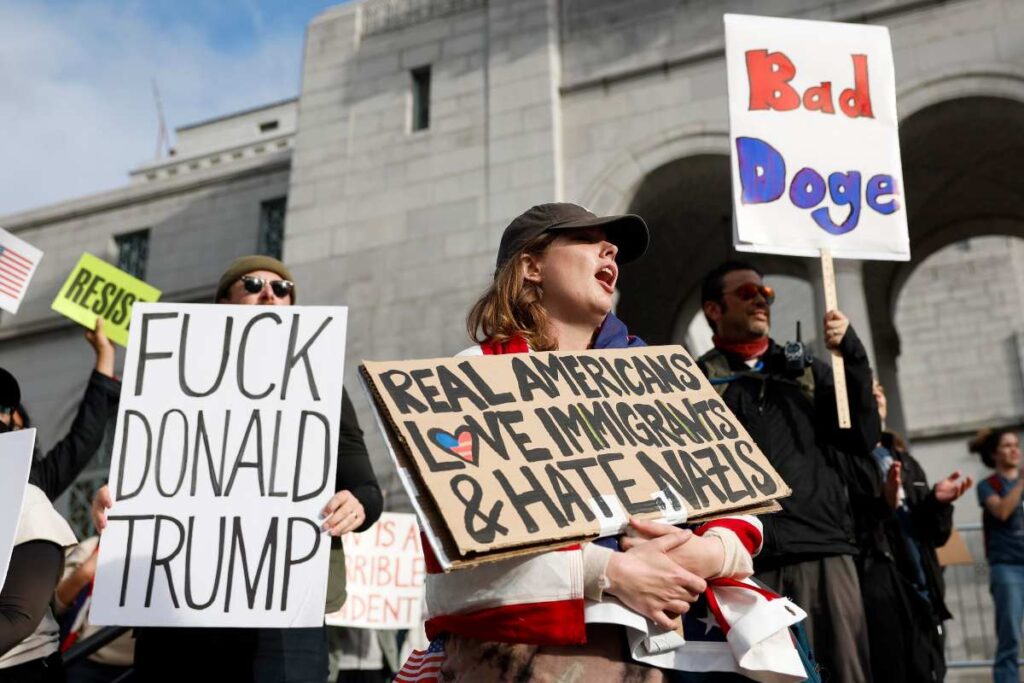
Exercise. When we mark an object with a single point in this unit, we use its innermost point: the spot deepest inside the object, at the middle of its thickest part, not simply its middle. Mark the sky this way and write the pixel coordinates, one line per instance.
(77, 110)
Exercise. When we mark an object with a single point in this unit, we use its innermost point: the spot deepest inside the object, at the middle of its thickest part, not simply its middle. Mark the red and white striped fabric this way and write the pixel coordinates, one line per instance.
(536, 600)
(423, 665)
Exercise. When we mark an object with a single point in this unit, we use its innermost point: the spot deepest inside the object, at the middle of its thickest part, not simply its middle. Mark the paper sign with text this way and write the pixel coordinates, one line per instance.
(15, 463)
(223, 458)
(814, 139)
(522, 450)
(384, 574)
(97, 289)
(18, 263)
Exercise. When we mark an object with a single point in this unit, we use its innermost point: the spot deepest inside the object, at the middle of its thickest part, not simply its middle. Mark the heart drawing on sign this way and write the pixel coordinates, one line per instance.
(462, 444)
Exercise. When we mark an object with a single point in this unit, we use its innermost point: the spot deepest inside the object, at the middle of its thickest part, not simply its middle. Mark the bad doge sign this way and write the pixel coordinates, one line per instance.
(519, 451)
(96, 289)
(224, 455)
(815, 147)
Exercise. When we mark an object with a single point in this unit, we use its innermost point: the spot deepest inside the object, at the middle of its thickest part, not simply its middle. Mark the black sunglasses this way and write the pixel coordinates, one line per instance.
(254, 285)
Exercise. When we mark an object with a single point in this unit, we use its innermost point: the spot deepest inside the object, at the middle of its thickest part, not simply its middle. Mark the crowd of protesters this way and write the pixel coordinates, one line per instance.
(854, 545)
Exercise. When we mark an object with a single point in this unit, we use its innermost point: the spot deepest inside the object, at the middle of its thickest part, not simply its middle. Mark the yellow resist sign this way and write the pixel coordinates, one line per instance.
(97, 289)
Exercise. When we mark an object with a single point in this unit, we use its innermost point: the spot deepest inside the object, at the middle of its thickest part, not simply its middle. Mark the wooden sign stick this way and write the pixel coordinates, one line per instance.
(828, 278)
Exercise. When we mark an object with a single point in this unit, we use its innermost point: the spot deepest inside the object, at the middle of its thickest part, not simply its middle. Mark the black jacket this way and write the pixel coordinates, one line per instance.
(902, 620)
(880, 535)
(802, 440)
(55, 471)
(354, 472)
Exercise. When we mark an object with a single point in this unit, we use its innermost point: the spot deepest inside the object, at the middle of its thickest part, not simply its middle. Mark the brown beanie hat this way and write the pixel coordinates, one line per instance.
(248, 264)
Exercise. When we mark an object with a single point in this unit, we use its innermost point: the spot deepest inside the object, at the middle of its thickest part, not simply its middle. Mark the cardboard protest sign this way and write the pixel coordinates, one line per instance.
(517, 452)
(815, 149)
(18, 263)
(15, 463)
(97, 289)
(384, 574)
(223, 458)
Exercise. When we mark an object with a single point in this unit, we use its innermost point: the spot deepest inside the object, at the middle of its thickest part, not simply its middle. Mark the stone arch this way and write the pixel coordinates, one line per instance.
(961, 161)
(975, 80)
(614, 189)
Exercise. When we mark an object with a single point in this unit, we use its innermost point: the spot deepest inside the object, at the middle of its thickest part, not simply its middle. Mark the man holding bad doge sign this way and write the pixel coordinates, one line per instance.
(266, 654)
(786, 400)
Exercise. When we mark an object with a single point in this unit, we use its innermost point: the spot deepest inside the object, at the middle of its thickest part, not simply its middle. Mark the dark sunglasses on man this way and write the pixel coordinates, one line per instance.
(748, 290)
(254, 285)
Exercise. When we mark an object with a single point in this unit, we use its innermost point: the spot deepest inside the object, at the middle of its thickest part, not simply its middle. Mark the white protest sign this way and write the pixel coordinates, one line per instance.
(18, 263)
(384, 574)
(814, 140)
(224, 456)
(15, 463)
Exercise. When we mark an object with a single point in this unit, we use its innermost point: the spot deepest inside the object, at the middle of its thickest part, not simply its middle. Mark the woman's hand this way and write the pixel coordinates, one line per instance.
(702, 556)
(648, 580)
(103, 348)
(342, 514)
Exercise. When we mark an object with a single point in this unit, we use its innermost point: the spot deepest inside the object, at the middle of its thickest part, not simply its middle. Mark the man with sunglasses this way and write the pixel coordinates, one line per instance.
(788, 406)
(267, 654)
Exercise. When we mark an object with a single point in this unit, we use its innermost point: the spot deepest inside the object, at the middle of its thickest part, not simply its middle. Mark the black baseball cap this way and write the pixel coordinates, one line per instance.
(628, 232)
(10, 392)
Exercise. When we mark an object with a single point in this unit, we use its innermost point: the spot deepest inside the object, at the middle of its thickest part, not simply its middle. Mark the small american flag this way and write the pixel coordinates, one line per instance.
(423, 665)
(18, 261)
(14, 270)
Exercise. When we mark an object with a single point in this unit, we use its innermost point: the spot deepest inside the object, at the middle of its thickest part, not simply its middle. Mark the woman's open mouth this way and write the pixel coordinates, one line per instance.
(607, 276)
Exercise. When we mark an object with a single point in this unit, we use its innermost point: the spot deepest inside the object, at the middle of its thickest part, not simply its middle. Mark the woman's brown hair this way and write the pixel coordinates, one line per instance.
(986, 442)
(512, 306)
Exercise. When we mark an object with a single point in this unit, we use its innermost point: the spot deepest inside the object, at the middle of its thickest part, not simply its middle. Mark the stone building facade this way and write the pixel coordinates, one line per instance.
(423, 126)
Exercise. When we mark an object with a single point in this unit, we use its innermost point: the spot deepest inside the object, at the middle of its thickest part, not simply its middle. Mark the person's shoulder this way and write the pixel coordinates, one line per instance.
(985, 490)
(40, 521)
(474, 350)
